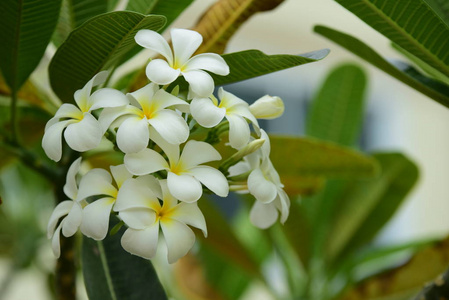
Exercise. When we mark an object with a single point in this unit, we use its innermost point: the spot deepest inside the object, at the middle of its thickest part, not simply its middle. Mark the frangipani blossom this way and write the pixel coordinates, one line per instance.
(82, 130)
(139, 208)
(148, 108)
(264, 184)
(71, 209)
(98, 182)
(208, 112)
(185, 174)
(178, 62)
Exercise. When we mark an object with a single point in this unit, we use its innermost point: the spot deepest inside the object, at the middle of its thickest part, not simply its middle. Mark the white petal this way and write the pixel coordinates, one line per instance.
(145, 162)
(70, 187)
(143, 95)
(138, 218)
(84, 135)
(154, 41)
(239, 132)
(72, 221)
(185, 42)
(67, 110)
(213, 179)
(135, 194)
(229, 100)
(96, 182)
(108, 97)
(120, 174)
(158, 71)
(171, 126)
(110, 114)
(206, 113)
(168, 200)
(60, 210)
(211, 62)
(283, 204)
(141, 242)
(152, 183)
(96, 218)
(171, 150)
(263, 215)
(179, 238)
(190, 214)
(196, 153)
(184, 187)
(262, 189)
(55, 244)
(200, 82)
(52, 140)
(82, 96)
(133, 135)
(165, 100)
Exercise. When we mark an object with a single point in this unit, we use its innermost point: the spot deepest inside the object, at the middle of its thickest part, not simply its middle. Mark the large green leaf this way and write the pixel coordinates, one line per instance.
(111, 273)
(171, 9)
(94, 46)
(364, 51)
(441, 7)
(252, 63)
(76, 12)
(366, 206)
(26, 27)
(411, 24)
(337, 110)
(314, 158)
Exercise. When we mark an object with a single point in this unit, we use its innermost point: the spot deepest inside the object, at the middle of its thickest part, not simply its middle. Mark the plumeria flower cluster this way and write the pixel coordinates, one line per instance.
(167, 141)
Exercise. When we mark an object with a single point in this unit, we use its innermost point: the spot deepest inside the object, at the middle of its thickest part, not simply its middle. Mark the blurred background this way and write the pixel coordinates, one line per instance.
(397, 118)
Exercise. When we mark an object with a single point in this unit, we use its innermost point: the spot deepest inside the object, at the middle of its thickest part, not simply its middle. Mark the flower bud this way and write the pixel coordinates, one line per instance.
(267, 107)
(248, 149)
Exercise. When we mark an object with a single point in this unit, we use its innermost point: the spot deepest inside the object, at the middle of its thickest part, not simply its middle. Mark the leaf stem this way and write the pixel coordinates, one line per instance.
(13, 120)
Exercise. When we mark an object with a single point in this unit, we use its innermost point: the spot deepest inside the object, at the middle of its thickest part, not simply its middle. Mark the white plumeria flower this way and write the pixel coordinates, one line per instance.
(98, 182)
(185, 174)
(185, 43)
(149, 107)
(264, 184)
(139, 208)
(208, 113)
(267, 107)
(71, 209)
(82, 130)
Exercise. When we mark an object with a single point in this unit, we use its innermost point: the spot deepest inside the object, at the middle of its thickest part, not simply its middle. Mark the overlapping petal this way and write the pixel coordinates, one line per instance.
(200, 82)
(160, 72)
(133, 135)
(206, 113)
(263, 215)
(264, 190)
(52, 140)
(84, 135)
(185, 43)
(152, 40)
(96, 218)
(213, 179)
(211, 62)
(141, 242)
(171, 126)
(184, 187)
(144, 162)
(179, 239)
(96, 182)
(196, 153)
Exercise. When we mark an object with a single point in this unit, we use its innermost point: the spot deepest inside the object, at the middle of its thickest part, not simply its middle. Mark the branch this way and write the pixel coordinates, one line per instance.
(436, 290)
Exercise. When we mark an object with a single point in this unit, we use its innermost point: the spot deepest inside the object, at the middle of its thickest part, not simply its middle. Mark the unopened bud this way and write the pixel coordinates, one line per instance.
(267, 107)
(248, 149)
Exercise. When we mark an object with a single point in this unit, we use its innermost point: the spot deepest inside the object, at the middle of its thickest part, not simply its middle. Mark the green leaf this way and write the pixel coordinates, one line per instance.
(299, 232)
(364, 51)
(413, 25)
(252, 63)
(111, 273)
(171, 9)
(406, 280)
(26, 27)
(440, 7)
(222, 238)
(425, 67)
(76, 12)
(314, 158)
(337, 110)
(370, 204)
(94, 46)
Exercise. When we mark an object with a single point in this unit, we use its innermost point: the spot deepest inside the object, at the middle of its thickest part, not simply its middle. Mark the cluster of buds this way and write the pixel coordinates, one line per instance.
(164, 171)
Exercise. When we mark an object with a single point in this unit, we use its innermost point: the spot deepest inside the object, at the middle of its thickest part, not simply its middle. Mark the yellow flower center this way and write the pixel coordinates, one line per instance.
(178, 168)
